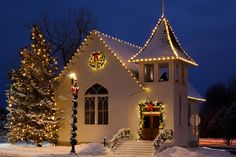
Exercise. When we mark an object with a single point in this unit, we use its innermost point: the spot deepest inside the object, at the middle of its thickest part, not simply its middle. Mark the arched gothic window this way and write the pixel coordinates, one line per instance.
(96, 105)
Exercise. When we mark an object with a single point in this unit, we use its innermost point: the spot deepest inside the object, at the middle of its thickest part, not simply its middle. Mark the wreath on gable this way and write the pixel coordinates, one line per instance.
(97, 60)
(150, 106)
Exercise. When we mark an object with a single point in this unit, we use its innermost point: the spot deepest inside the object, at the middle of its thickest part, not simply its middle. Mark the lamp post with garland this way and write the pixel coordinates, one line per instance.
(75, 91)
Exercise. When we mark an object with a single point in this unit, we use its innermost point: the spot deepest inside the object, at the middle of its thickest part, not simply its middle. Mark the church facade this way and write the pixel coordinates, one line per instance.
(119, 81)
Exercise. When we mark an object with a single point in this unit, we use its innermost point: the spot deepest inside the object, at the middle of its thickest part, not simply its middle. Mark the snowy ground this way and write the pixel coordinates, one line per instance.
(94, 149)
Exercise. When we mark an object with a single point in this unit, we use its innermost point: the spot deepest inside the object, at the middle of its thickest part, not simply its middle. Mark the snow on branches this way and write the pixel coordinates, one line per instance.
(33, 114)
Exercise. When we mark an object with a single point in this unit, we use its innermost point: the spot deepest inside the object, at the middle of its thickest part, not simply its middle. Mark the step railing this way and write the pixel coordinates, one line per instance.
(122, 134)
(162, 137)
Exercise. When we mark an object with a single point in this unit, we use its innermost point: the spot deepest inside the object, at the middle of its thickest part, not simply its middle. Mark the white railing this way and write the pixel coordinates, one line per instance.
(162, 137)
(121, 135)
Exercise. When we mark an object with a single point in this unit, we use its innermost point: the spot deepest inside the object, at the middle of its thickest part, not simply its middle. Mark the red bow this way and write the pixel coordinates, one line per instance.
(75, 90)
(95, 56)
(150, 107)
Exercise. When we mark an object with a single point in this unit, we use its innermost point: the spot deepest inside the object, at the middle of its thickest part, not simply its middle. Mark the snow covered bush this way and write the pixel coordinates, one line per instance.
(92, 149)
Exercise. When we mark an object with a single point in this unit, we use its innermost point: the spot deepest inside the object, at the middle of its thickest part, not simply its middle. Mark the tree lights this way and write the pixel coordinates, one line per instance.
(33, 114)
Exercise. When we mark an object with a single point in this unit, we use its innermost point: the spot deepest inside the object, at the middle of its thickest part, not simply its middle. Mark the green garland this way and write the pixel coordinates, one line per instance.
(141, 108)
(97, 60)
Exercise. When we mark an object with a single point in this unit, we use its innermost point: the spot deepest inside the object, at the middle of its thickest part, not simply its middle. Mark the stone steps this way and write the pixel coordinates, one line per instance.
(133, 148)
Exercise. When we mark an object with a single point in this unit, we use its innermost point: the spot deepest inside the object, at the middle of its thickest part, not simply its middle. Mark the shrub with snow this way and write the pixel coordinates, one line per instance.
(175, 152)
(92, 149)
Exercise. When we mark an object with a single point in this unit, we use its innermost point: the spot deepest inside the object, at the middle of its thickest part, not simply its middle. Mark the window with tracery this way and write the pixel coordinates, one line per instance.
(96, 105)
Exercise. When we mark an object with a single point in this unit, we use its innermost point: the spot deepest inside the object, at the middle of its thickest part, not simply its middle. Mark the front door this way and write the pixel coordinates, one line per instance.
(150, 127)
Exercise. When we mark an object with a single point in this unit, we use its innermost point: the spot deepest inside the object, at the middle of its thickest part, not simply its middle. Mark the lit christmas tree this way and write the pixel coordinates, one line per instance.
(33, 114)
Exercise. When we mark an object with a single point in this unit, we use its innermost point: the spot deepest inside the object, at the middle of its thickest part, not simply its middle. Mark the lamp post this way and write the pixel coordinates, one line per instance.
(75, 91)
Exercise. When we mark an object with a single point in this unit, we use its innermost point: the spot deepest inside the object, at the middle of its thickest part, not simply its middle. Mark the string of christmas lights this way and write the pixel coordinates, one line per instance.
(33, 114)
(175, 54)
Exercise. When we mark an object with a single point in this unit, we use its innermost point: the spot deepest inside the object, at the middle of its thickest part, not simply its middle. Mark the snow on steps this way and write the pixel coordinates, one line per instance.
(135, 148)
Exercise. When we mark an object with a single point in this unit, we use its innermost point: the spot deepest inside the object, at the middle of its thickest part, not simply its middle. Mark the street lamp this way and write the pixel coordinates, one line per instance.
(75, 91)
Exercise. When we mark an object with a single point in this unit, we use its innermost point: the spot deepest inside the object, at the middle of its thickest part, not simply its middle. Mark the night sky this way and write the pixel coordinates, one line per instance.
(206, 29)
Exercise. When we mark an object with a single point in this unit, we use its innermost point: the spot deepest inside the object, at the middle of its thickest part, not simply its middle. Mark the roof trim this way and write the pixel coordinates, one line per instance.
(110, 50)
(169, 39)
(150, 38)
(191, 61)
(77, 50)
(197, 99)
(119, 40)
(120, 61)
(175, 54)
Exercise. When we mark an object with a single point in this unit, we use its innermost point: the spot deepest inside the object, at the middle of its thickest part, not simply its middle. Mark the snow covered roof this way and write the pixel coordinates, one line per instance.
(162, 45)
(120, 49)
(193, 94)
(123, 50)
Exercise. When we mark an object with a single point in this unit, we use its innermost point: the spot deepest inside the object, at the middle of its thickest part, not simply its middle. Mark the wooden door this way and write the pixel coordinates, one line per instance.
(150, 127)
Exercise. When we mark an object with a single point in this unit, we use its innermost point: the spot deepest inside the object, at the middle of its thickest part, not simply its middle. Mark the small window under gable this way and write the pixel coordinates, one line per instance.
(148, 72)
(163, 72)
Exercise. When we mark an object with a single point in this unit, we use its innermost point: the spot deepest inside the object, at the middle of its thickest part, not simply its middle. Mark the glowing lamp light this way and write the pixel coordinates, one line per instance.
(72, 76)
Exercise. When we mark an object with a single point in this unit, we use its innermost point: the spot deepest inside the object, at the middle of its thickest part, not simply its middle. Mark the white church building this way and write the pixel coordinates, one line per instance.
(126, 86)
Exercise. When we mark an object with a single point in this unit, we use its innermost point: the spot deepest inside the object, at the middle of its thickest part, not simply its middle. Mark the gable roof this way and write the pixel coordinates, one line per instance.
(162, 45)
(120, 49)
(123, 49)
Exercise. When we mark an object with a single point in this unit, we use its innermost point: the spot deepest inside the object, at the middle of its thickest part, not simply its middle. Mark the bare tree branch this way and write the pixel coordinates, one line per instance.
(66, 35)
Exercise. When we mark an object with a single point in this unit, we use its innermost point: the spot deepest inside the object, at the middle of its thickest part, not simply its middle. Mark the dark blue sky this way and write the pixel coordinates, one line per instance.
(206, 29)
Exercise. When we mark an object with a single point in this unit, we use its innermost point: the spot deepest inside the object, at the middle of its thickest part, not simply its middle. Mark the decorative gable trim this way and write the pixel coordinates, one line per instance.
(84, 43)
(120, 61)
(175, 56)
(119, 40)
(147, 42)
(169, 39)
(190, 61)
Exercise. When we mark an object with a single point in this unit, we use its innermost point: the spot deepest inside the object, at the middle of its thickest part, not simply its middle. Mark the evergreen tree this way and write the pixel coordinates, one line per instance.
(228, 124)
(33, 114)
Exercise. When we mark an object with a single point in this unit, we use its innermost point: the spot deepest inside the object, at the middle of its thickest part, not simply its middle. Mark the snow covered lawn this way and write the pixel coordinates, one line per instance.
(92, 149)
(96, 149)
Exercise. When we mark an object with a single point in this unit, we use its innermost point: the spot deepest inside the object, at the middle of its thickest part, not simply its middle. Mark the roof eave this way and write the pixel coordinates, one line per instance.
(188, 61)
(163, 59)
(196, 99)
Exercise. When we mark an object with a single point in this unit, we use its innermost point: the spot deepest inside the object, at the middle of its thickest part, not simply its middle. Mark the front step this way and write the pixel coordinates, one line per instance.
(133, 148)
